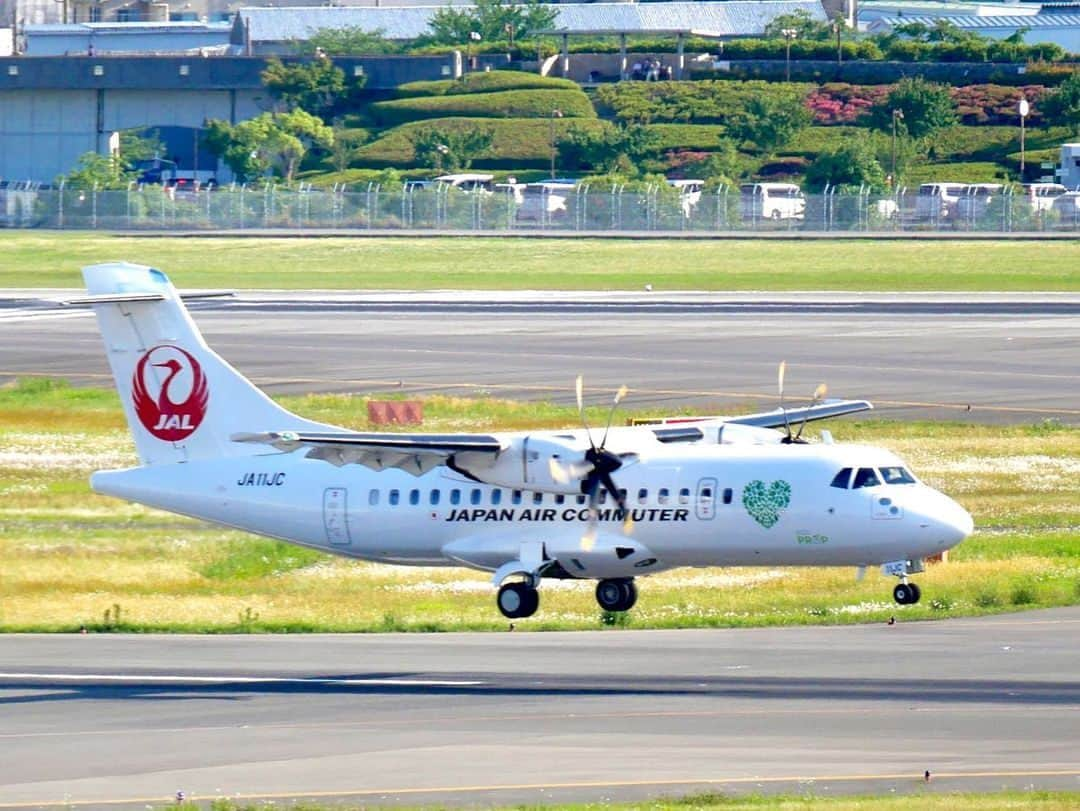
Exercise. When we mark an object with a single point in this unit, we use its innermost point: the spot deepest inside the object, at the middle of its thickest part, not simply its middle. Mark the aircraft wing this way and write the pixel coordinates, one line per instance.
(822, 411)
(413, 453)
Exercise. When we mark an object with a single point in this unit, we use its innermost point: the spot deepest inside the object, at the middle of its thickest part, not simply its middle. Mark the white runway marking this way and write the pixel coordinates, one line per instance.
(180, 679)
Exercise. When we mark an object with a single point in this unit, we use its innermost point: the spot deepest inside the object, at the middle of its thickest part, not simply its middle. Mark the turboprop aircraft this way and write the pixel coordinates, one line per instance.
(525, 505)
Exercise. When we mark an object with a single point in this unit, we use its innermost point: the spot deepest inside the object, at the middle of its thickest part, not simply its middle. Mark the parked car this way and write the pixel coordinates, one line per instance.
(976, 198)
(545, 200)
(1041, 196)
(774, 201)
(937, 201)
(689, 193)
(1067, 206)
(469, 181)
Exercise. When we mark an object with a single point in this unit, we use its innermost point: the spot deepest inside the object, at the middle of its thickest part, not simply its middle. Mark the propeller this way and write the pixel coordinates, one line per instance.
(819, 395)
(601, 463)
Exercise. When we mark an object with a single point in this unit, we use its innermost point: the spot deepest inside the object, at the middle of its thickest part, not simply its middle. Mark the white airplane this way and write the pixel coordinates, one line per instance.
(524, 506)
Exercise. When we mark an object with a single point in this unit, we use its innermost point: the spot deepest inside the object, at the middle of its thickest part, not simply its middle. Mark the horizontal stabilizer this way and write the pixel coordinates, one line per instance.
(823, 411)
(126, 298)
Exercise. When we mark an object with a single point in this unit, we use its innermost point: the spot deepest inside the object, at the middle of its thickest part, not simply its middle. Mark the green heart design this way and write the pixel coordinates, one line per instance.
(765, 503)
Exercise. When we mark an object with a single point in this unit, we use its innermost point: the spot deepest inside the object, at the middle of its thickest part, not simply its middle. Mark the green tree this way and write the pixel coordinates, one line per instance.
(271, 141)
(926, 107)
(346, 147)
(767, 122)
(349, 40)
(314, 86)
(493, 20)
(801, 22)
(1062, 106)
(101, 172)
(608, 148)
(451, 150)
(852, 163)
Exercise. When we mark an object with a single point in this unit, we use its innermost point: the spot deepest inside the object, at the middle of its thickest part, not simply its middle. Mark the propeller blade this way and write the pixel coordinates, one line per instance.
(566, 472)
(819, 395)
(588, 539)
(628, 519)
(579, 390)
(611, 414)
(780, 387)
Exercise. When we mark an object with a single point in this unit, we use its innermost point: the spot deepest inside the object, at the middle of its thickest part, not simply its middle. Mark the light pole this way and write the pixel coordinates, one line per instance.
(897, 115)
(443, 150)
(474, 36)
(1025, 108)
(838, 26)
(556, 113)
(789, 35)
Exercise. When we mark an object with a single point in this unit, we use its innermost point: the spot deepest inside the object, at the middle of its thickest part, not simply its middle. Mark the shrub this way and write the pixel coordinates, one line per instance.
(698, 102)
(516, 142)
(487, 82)
(501, 104)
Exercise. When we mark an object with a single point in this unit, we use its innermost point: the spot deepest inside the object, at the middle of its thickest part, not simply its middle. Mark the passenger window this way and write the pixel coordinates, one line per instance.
(602, 496)
(455, 496)
(434, 497)
(684, 495)
(560, 499)
(474, 496)
(706, 493)
(496, 496)
(395, 497)
(538, 498)
(582, 500)
(414, 497)
(642, 496)
(865, 477)
(373, 498)
(622, 493)
(727, 495)
(896, 475)
(842, 479)
(663, 496)
(515, 497)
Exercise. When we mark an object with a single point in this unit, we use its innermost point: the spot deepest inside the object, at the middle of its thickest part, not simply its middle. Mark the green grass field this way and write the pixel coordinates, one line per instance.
(37, 259)
(71, 558)
(924, 801)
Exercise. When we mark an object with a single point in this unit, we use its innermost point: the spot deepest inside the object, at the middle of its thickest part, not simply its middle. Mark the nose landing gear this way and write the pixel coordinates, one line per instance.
(905, 593)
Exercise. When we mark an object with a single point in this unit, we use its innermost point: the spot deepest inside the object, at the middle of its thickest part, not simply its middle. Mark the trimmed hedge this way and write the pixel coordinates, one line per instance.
(501, 104)
(959, 172)
(489, 82)
(704, 137)
(701, 102)
(517, 142)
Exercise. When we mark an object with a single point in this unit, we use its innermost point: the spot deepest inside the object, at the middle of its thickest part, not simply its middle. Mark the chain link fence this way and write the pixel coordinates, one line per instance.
(585, 208)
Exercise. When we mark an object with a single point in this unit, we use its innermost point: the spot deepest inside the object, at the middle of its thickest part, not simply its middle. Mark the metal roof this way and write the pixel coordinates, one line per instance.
(731, 18)
(1000, 21)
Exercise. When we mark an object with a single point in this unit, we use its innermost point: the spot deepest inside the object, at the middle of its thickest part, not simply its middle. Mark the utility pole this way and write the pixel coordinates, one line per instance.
(789, 35)
(897, 115)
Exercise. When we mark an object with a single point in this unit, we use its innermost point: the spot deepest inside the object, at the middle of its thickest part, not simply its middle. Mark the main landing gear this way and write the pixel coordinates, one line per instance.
(616, 594)
(518, 600)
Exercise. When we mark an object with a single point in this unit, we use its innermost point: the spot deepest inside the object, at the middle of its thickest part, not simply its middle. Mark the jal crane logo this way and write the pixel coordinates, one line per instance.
(182, 393)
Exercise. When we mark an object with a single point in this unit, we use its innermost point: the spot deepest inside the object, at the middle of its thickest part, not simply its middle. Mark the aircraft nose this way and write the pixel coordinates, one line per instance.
(954, 521)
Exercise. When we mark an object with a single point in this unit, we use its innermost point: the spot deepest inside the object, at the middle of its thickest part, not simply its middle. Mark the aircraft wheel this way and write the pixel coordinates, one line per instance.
(904, 593)
(518, 600)
(617, 594)
(916, 593)
(629, 595)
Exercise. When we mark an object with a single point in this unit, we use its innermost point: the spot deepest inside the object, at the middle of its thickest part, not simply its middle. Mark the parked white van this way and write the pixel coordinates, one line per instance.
(976, 198)
(545, 200)
(689, 194)
(1041, 196)
(773, 201)
(937, 201)
(469, 181)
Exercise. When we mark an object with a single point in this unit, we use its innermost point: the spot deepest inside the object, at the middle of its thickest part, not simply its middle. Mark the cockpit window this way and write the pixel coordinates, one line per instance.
(896, 475)
(842, 478)
(865, 477)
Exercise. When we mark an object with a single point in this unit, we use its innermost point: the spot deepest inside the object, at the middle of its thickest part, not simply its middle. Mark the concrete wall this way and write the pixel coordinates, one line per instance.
(43, 133)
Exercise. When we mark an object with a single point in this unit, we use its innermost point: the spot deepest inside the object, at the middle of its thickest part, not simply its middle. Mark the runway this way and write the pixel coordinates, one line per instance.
(992, 358)
(539, 717)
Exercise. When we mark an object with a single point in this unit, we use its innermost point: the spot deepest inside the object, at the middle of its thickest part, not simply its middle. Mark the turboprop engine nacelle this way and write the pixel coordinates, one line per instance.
(527, 465)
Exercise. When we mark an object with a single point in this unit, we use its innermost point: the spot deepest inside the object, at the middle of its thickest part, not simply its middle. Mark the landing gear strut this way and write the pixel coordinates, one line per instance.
(616, 594)
(518, 600)
(905, 593)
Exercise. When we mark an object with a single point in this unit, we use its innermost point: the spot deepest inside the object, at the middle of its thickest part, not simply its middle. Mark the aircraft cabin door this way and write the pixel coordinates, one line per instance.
(705, 504)
(335, 516)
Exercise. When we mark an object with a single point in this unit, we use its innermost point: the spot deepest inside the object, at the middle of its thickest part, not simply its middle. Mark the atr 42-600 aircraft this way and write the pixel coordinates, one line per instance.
(525, 505)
